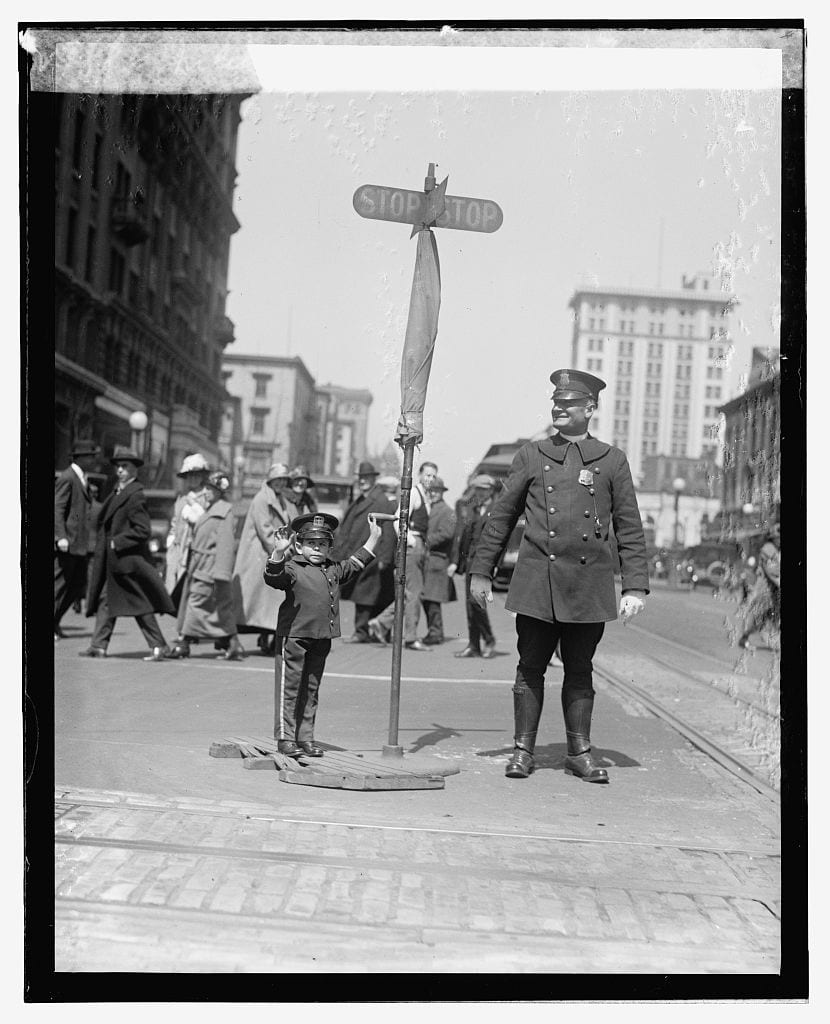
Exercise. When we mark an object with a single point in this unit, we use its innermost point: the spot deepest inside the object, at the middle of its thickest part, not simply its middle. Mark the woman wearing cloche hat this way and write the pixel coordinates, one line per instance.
(187, 510)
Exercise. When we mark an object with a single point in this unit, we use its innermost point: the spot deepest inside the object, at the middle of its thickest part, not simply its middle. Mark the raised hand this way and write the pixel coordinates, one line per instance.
(282, 540)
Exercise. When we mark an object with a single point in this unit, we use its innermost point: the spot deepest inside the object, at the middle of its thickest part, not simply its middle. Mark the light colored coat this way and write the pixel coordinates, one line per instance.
(206, 608)
(179, 538)
(255, 604)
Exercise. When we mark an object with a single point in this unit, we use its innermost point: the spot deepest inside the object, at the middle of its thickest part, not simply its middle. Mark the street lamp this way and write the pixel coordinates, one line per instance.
(679, 486)
(138, 424)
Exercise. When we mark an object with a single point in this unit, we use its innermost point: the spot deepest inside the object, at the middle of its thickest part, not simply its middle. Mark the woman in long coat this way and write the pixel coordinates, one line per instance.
(206, 609)
(297, 493)
(372, 590)
(256, 605)
(123, 579)
(438, 587)
(187, 509)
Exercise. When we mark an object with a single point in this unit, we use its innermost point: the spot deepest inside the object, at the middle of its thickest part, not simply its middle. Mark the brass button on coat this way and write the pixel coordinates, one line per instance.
(583, 560)
(587, 514)
(549, 487)
(551, 510)
(584, 536)
(553, 558)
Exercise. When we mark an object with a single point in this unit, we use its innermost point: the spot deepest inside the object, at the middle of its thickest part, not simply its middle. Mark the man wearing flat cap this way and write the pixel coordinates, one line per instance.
(73, 502)
(575, 491)
(369, 590)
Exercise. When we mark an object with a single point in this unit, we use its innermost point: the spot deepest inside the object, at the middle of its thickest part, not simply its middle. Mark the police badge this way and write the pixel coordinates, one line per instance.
(586, 477)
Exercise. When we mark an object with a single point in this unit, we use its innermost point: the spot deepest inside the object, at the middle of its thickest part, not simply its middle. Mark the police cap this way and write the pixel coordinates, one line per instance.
(575, 384)
(315, 525)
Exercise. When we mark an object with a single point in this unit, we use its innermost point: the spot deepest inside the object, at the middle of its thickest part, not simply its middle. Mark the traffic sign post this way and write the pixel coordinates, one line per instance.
(424, 210)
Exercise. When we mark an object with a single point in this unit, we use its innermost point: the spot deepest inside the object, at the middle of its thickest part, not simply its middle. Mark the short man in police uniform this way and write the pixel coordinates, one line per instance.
(572, 489)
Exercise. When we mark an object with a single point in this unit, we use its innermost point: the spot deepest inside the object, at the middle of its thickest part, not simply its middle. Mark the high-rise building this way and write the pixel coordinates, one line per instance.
(143, 220)
(664, 356)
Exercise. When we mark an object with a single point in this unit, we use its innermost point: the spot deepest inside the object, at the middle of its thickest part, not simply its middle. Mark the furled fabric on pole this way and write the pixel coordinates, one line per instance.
(421, 331)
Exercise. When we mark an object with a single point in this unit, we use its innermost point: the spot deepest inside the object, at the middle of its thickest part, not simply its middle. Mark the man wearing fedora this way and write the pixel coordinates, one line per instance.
(124, 580)
(370, 589)
(575, 491)
(73, 502)
(438, 585)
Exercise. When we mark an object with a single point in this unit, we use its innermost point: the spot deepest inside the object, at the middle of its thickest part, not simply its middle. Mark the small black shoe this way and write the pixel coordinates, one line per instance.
(416, 645)
(179, 650)
(468, 652)
(289, 748)
(93, 652)
(584, 767)
(520, 764)
(432, 641)
(311, 749)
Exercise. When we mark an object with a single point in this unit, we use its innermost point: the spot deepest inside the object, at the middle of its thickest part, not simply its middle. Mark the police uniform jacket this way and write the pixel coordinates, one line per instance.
(311, 608)
(565, 566)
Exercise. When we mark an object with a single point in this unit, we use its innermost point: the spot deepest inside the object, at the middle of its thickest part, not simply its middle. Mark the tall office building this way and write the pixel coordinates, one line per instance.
(143, 220)
(664, 355)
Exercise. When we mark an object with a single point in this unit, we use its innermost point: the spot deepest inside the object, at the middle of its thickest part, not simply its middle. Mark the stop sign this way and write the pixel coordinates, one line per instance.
(380, 202)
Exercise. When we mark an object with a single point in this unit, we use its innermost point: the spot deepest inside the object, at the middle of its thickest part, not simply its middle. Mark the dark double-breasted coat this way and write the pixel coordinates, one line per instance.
(468, 537)
(573, 494)
(352, 533)
(72, 504)
(311, 608)
(122, 559)
(440, 537)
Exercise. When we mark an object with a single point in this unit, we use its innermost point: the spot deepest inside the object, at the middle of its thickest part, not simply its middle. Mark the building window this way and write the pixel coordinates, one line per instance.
(116, 280)
(261, 384)
(624, 387)
(89, 264)
(623, 367)
(654, 369)
(653, 389)
(71, 232)
(77, 145)
(258, 421)
(96, 160)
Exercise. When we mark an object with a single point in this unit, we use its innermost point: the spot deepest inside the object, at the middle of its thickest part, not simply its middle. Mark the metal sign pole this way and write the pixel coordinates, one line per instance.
(392, 748)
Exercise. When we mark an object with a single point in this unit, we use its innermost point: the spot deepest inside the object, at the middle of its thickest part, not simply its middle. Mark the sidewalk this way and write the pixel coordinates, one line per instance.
(674, 863)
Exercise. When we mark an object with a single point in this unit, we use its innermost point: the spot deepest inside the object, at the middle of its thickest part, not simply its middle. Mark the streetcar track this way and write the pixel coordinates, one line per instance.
(712, 685)
(631, 883)
(710, 747)
(684, 648)
(259, 815)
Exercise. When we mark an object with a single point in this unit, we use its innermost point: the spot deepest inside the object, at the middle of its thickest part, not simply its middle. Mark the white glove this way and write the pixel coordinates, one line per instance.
(630, 606)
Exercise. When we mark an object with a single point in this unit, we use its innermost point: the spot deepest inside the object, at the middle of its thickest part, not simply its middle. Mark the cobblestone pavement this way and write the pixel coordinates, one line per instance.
(143, 883)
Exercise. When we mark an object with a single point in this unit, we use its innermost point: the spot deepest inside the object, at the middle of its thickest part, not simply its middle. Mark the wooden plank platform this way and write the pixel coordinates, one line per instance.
(337, 769)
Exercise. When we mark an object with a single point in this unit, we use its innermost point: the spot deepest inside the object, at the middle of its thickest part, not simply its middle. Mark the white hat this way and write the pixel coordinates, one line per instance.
(194, 464)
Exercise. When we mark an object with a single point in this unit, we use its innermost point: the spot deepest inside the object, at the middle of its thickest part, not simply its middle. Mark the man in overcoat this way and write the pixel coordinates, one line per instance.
(438, 587)
(124, 580)
(257, 605)
(574, 491)
(367, 590)
(479, 630)
(73, 503)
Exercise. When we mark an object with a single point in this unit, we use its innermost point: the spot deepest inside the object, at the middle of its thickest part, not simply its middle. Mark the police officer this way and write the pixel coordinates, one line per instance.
(573, 489)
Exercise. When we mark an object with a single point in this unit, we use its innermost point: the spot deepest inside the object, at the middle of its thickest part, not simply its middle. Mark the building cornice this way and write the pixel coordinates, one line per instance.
(672, 295)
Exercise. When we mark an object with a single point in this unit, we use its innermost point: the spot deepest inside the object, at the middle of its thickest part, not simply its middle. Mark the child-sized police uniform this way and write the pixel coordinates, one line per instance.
(309, 618)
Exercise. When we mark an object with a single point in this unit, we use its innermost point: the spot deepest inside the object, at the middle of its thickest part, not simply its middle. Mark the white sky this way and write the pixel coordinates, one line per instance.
(584, 174)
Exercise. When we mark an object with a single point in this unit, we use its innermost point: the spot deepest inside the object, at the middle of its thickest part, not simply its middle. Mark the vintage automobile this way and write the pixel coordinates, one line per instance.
(708, 563)
(160, 503)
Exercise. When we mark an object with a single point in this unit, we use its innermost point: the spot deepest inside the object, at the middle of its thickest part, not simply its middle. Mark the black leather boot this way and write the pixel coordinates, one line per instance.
(580, 761)
(527, 708)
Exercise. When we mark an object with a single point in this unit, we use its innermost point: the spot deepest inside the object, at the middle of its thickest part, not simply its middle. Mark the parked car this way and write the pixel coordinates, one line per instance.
(507, 562)
(333, 494)
(160, 503)
(709, 563)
